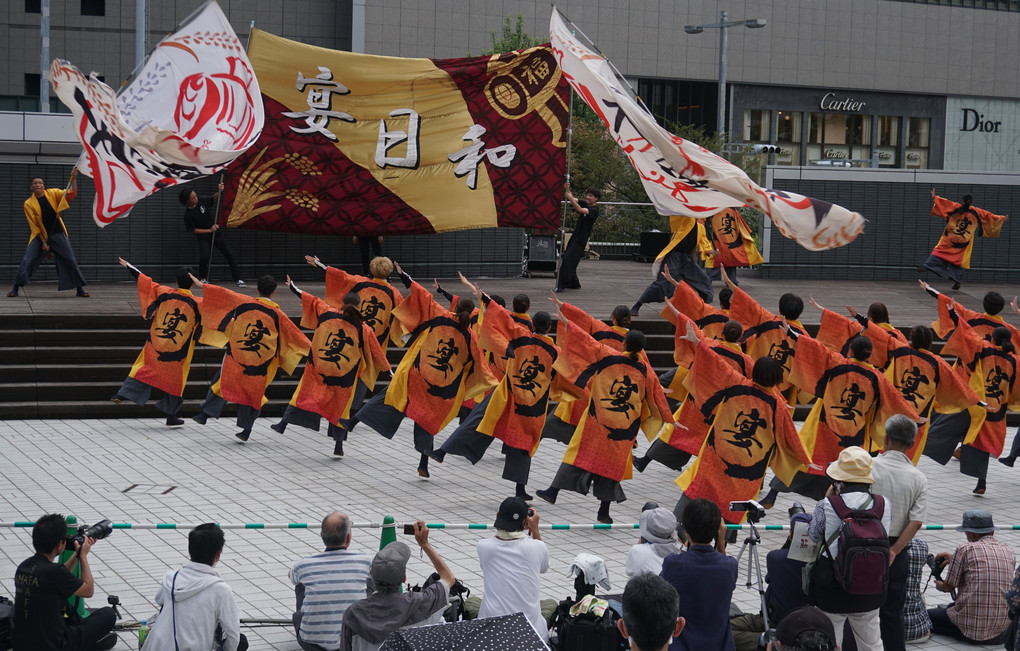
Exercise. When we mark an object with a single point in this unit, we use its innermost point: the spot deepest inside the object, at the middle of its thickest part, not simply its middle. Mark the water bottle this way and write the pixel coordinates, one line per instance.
(143, 632)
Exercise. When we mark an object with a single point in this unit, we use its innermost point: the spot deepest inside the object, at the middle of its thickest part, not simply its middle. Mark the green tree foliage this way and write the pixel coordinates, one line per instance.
(513, 38)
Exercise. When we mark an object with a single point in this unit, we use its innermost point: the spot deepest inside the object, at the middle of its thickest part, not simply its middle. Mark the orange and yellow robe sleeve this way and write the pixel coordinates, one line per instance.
(852, 397)
(258, 337)
(378, 298)
(837, 331)
(748, 429)
(339, 355)
(732, 238)
(993, 380)
(764, 335)
(708, 319)
(982, 322)
(930, 385)
(442, 367)
(517, 406)
(174, 326)
(57, 199)
(623, 396)
(957, 241)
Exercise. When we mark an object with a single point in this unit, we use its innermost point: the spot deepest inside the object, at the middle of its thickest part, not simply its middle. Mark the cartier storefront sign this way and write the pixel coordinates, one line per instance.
(832, 102)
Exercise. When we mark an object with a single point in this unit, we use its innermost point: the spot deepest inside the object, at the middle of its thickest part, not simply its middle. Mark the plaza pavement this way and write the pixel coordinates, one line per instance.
(122, 470)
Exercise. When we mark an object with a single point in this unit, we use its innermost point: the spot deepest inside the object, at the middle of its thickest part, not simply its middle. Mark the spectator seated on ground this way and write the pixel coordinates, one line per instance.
(804, 629)
(783, 594)
(197, 607)
(659, 540)
(981, 572)
(41, 590)
(512, 562)
(326, 584)
(367, 623)
(704, 577)
(649, 619)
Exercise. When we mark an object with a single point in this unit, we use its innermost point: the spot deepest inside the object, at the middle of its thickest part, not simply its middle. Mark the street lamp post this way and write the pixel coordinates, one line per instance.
(722, 26)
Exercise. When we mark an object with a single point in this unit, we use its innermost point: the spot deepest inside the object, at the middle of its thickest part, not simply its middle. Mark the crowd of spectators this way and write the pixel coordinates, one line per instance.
(678, 597)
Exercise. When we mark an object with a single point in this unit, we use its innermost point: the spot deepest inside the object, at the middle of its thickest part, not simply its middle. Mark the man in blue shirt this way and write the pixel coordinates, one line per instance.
(704, 577)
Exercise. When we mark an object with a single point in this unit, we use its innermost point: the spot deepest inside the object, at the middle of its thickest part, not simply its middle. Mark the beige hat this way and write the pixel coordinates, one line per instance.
(853, 466)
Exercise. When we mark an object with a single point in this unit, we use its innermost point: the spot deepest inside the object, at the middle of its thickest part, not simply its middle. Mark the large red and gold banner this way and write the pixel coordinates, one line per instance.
(356, 144)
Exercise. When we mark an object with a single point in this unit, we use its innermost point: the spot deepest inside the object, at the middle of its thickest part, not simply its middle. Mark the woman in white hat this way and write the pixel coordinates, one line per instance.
(851, 486)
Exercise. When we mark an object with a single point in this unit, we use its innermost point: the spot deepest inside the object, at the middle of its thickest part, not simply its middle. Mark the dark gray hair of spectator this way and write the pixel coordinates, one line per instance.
(204, 542)
(650, 606)
(900, 430)
(702, 519)
(335, 530)
(810, 641)
(47, 532)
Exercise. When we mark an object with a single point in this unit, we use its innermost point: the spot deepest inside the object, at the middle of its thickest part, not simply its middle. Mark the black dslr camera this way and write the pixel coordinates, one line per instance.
(935, 567)
(98, 531)
(755, 511)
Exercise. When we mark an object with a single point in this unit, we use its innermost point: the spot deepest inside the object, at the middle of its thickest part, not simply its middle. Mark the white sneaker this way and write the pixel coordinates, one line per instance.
(920, 640)
(240, 283)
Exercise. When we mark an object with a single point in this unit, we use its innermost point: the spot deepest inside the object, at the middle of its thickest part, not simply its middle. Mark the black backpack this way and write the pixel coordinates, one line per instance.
(6, 619)
(585, 632)
(862, 559)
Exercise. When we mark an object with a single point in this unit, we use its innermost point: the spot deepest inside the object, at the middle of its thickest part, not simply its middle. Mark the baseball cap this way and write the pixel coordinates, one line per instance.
(511, 515)
(390, 565)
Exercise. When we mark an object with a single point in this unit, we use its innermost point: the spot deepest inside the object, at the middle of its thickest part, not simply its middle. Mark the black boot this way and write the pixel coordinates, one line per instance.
(243, 435)
(770, 498)
(338, 447)
(981, 487)
(603, 514)
(641, 463)
(523, 494)
(436, 455)
(423, 466)
(280, 427)
(548, 494)
(1007, 461)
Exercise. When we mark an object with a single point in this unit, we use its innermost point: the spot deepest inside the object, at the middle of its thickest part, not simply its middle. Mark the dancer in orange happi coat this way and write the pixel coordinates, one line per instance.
(442, 367)
(623, 396)
(343, 363)
(165, 360)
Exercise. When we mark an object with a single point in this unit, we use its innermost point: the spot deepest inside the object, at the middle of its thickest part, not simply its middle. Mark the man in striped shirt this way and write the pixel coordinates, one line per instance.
(326, 584)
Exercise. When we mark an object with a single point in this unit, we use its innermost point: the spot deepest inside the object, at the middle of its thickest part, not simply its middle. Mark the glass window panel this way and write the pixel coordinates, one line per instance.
(788, 126)
(756, 125)
(917, 132)
(888, 130)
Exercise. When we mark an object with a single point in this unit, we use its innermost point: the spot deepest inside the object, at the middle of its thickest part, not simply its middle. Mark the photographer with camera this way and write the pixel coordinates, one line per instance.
(981, 572)
(373, 618)
(512, 562)
(42, 588)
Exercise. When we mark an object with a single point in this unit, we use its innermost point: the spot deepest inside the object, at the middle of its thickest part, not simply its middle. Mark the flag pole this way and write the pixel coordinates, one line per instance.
(216, 223)
(603, 55)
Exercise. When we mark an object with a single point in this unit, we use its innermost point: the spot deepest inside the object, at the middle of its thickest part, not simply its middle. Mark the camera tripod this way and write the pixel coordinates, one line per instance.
(751, 543)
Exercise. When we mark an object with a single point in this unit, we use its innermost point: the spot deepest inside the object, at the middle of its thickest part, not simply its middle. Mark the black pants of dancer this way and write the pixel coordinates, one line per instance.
(810, 486)
(214, 404)
(568, 264)
(940, 267)
(667, 455)
(69, 276)
(205, 244)
(364, 243)
(682, 267)
(466, 441)
(386, 419)
(139, 392)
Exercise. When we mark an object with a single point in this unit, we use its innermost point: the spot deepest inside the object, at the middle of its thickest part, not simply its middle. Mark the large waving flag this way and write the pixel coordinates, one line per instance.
(680, 177)
(194, 107)
(360, 145)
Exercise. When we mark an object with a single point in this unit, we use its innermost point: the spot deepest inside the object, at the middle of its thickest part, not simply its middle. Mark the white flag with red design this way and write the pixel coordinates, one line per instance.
(194, 107)
(680, 177)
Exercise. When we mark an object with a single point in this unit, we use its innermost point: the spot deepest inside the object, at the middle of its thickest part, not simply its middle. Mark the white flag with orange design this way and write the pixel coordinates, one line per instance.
(680, 177)
(194, 107)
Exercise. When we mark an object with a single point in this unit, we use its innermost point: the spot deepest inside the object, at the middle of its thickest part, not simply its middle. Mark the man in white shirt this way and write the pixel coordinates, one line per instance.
(511, 563)
(326, 584)
(905, 488)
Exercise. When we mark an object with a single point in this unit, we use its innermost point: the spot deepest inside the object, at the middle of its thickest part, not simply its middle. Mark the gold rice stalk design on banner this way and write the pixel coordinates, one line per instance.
(256, 181)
